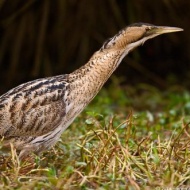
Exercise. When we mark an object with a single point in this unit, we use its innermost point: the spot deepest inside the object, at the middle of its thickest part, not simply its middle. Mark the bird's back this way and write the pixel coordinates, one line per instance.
(33, 109)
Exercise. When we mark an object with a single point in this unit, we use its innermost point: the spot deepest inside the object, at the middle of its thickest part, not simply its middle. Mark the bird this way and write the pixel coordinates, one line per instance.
(33, 115)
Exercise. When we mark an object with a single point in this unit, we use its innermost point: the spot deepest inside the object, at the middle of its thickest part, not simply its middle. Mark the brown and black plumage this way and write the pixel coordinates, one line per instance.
(34, 115)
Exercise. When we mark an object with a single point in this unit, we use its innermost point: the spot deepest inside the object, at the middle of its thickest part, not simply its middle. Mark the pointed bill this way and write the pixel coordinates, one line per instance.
(166, 29)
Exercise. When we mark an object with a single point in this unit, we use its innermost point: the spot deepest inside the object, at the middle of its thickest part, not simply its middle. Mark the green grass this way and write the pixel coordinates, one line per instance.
(127, 138)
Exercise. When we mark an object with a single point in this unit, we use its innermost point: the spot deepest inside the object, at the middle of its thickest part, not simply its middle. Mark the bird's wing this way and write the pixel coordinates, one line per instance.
(34, 108)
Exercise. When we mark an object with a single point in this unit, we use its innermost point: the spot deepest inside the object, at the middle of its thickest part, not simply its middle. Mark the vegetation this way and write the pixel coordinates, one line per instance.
(127, 138)
(45, 38)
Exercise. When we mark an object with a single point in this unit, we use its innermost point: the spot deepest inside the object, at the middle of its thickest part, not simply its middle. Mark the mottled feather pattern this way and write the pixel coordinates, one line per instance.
(34, 115)
(33, 108)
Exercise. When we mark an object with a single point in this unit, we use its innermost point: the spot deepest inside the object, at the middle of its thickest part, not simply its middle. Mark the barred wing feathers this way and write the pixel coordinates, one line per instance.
(34, 108)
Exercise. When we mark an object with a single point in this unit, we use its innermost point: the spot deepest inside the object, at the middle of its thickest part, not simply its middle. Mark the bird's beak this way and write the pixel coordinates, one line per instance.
(165, 29)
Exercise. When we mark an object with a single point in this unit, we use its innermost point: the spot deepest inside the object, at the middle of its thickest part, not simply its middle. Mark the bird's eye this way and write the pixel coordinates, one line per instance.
(148, 28)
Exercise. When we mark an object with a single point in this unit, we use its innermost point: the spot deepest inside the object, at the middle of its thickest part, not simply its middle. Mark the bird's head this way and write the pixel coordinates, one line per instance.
(136, 34)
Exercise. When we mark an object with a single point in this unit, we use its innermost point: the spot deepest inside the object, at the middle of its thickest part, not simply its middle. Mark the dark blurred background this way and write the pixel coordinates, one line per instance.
(41, 38)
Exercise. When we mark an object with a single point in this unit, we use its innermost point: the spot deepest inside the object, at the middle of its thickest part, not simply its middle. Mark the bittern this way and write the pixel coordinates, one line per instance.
(33, 115)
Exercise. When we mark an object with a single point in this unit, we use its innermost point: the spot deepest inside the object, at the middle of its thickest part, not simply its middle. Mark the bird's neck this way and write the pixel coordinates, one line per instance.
(91, 77)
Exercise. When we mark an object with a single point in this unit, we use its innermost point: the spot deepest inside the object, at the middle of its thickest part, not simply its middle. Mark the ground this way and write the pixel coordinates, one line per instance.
(129, 137)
